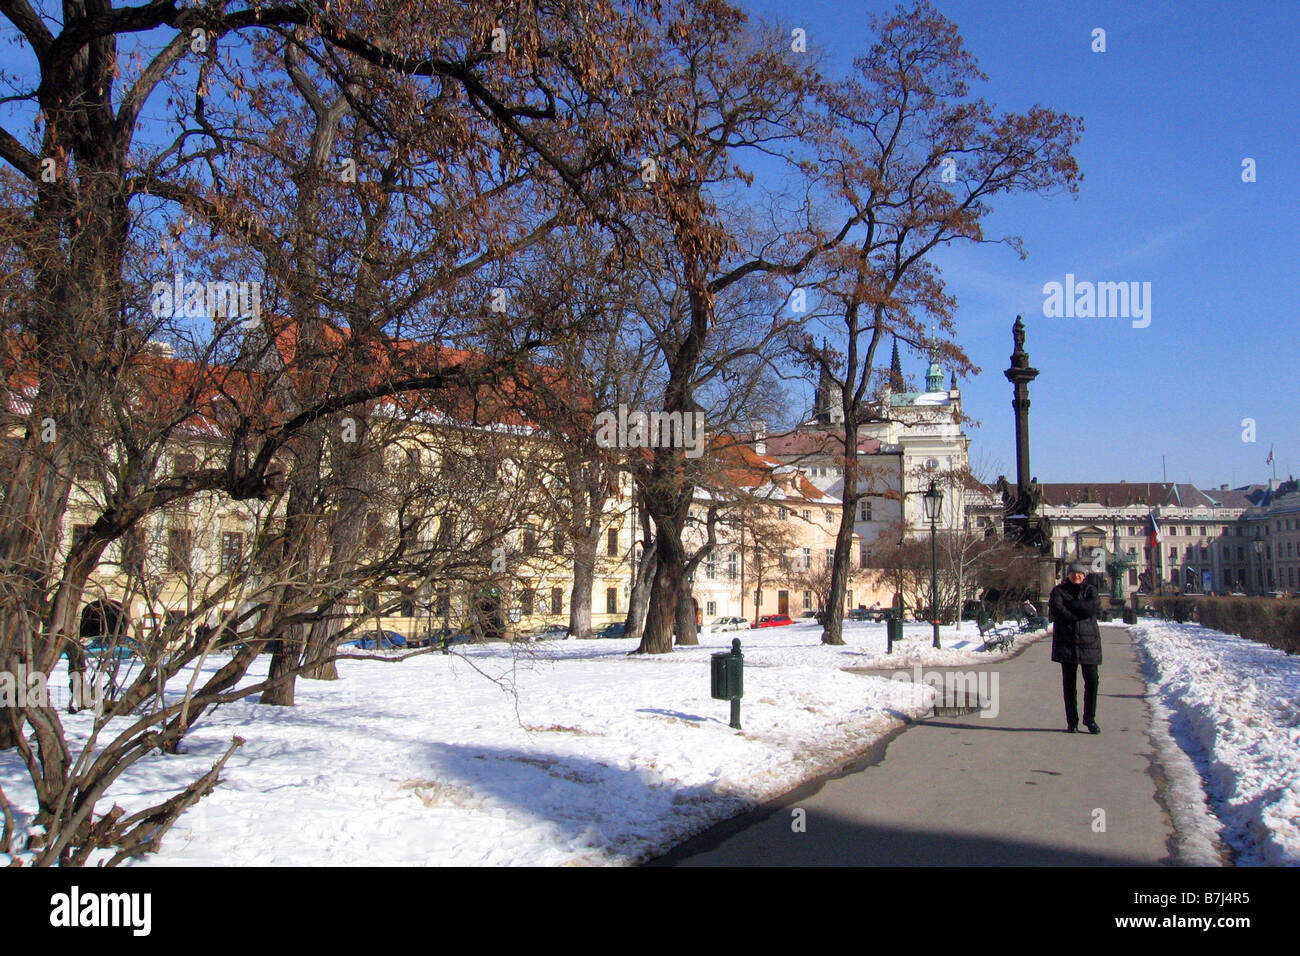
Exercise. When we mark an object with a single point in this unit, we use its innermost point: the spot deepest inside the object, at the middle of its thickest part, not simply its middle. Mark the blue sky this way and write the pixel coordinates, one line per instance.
(1184, 92)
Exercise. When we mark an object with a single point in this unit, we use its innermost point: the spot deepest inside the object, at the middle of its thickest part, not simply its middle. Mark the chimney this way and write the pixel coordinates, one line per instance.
(759, 427)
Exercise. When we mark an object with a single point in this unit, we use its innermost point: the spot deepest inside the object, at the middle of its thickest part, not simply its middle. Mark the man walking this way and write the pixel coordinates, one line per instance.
(1076, 643)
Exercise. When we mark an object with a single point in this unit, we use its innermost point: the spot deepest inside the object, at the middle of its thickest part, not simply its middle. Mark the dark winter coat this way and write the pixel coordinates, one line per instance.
(1076, 638)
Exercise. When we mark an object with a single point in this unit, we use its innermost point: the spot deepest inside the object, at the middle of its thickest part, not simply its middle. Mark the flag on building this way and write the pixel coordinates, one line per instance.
(1269, 459)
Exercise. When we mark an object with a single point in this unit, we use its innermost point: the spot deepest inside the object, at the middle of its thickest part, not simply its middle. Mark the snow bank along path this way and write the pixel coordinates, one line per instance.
(1233, 706)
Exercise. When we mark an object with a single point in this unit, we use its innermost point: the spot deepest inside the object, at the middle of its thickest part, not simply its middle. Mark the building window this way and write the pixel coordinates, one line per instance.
(711, 566)
(232, 549)
(864, 510)
(184, 464)
(611, 542)
(864, 555)
(781, 513)
(807, 558)
(827, 515)
(557, 541)
(530, 540)
(807, 600)
(710, 608)
(733, 566)
(1241, 554)
(526, 601)
(807, 515)
(758, 599)
(557, 600)
(442, 602)
(830, 557)
(611, 600)
(1202, 531)
(180, 544)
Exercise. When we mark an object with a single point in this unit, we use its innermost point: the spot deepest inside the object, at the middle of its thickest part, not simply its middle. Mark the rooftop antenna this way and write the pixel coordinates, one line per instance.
(1164, 479)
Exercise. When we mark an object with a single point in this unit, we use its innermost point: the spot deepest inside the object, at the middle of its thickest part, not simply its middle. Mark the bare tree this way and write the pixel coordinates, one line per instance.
(918, 164)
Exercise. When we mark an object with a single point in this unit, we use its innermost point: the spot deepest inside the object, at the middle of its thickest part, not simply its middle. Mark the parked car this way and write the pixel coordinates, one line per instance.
(773, 620)
(876, 614)
(726, 624)
(119, 648)
(371, 640)
(615, 629)
(552, 632)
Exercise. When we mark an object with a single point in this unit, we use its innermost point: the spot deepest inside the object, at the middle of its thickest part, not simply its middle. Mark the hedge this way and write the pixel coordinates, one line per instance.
(1271, 621)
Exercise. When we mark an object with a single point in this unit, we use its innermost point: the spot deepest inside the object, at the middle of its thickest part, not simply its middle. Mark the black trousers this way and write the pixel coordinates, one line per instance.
(1069, 685)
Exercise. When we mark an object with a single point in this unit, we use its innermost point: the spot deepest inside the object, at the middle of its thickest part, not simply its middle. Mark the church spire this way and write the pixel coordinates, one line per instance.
(828, 402)
(895, 370)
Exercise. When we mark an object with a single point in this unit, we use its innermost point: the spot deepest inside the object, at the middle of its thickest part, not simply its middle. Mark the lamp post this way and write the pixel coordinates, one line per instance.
(933, 502)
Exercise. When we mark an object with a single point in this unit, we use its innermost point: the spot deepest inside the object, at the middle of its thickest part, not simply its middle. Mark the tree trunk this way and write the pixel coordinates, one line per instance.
(639, 601)
(670, 571)
(687, 630)
(321, 644)
(833, 629)
(584, 574)
(286, 656)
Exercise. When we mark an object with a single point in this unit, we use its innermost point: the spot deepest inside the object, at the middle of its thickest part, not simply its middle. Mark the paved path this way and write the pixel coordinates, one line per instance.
(1013, 789)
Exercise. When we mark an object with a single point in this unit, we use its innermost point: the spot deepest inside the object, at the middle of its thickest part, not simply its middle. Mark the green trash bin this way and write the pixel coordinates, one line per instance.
(893, 631)
(727, 678)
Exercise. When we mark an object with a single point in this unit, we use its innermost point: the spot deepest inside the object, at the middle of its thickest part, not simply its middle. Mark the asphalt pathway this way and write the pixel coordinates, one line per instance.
(1005, 789)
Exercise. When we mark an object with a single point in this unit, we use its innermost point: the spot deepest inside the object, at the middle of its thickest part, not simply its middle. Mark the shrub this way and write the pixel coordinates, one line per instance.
(1271, 621)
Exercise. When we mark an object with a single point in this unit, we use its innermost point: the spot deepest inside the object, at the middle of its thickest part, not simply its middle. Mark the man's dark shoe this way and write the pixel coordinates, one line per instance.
(1072, 729)
(1093, 728)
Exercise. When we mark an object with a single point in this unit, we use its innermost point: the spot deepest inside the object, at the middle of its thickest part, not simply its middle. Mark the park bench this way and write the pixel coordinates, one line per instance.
(995, 637)
(1032, 620)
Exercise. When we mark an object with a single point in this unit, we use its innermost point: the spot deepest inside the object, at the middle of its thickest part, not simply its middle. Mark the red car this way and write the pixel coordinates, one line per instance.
(772, 620)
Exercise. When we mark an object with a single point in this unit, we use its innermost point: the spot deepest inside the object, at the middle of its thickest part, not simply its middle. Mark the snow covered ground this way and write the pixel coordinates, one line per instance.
(552, 753)
(1233, 706)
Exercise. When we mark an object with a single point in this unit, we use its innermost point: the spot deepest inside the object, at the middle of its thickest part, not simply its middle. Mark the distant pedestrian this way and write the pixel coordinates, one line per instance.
(1076, 643)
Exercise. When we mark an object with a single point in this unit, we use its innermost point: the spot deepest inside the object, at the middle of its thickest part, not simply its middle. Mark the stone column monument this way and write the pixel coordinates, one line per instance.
(1021, 523)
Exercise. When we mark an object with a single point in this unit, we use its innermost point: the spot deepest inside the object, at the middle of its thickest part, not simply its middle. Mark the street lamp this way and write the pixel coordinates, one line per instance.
(933, 502)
